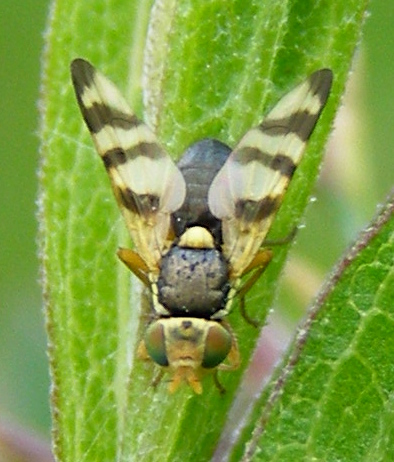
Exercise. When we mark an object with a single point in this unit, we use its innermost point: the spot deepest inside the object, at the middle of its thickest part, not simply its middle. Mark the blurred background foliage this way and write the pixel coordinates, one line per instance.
(356, 176)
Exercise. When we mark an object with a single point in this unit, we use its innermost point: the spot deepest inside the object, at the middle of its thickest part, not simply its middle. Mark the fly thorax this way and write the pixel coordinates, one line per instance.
(193, 278)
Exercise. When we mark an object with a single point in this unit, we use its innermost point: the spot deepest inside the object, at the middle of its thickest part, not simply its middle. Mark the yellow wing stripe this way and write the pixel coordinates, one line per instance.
(146, 182)
(127, 138)
(248, 190)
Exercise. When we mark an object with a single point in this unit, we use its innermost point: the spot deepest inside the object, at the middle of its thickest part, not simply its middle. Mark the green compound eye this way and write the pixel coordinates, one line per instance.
(155, 344)
(217, 346)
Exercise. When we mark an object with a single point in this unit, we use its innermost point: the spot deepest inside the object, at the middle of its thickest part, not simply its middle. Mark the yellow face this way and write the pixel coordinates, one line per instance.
(188, 346)
(197, 227)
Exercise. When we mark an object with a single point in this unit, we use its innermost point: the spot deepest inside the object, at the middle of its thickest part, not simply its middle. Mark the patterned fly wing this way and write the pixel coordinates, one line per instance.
(147, 184)
(248, 190)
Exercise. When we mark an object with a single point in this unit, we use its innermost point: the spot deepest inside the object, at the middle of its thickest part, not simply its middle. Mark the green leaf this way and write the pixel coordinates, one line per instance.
(211, 69)
(333, 397)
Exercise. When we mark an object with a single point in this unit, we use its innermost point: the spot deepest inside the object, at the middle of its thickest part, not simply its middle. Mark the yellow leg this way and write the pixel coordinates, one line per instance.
(284, 240)
(258, 265)
(261, 260)
(217, 383)
(135, 264)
